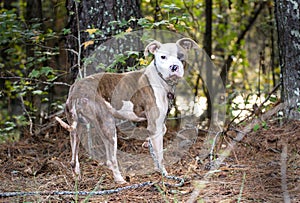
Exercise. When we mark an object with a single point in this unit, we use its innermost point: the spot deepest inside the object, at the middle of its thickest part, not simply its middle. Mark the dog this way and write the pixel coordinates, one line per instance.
(143, 95)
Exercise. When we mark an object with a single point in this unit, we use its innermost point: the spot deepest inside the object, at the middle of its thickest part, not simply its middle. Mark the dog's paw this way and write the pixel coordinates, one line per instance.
(120, 180)
(76, 176)
(145, 144)
(161, 170)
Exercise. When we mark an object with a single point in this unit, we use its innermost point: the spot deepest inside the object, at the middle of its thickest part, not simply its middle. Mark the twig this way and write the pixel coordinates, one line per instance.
(258, 108)
(213, 146)
(29, 117)
(48, 126)
(36, 80)
(79, 40)
(242, 188)
(64, 124)
(58, 113)
(73, 51)
(284, 187)
(269, 95)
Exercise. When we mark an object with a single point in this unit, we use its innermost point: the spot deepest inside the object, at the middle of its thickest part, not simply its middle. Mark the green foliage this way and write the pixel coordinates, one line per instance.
(25, 76)
(171, 17)
(262, 125)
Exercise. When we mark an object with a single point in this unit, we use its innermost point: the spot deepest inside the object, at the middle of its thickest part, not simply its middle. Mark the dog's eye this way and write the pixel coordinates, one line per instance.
(180, 56)
(163, 57)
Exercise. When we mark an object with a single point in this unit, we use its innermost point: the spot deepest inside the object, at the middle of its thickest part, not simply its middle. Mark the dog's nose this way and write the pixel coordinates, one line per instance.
(174, 68)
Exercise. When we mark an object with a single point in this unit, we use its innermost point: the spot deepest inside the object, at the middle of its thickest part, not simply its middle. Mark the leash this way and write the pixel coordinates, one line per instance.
(180, 180)
(102, 192)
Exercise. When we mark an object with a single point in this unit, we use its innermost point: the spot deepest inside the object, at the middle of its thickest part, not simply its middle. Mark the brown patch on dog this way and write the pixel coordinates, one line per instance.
(138, 91)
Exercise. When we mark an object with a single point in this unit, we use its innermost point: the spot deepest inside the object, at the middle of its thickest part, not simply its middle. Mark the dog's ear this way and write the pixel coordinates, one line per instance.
(152, 47)
(187, 43)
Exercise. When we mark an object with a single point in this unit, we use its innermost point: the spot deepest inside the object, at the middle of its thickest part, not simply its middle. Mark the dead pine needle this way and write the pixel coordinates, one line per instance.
(242, 188)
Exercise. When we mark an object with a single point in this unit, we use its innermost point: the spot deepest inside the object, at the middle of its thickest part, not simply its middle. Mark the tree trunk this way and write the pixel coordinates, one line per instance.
(288, 27)
(96, 14)
(207, 46)
(34, 11)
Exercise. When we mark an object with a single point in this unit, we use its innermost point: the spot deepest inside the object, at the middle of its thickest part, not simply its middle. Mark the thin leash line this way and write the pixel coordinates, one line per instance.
(103, 192)
(83, 193)
(180, 180)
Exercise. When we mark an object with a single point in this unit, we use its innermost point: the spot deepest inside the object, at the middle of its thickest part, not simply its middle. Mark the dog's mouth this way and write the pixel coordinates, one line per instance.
(173, 78)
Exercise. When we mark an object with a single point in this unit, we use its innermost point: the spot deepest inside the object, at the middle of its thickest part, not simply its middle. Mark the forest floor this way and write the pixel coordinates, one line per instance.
(263, 167)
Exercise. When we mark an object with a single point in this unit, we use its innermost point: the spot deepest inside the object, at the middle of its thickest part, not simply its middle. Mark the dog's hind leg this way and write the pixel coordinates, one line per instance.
(109, 138)
(112, 162)
(75, 136)
(75, 140)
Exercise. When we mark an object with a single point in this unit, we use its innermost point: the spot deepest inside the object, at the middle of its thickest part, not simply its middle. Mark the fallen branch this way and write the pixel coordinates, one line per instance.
(284, 187)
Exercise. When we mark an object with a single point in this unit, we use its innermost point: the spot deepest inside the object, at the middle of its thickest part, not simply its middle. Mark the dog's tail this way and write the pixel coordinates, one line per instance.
(64, 124)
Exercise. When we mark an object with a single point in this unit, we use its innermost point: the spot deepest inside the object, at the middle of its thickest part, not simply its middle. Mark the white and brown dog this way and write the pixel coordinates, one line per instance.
(137, 96)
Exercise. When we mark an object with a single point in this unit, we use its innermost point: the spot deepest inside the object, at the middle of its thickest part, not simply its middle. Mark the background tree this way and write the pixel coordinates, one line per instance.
(93, 22)
(288, 28)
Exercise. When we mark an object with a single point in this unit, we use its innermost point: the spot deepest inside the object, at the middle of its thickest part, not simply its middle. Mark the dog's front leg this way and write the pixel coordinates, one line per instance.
(157, 129)
(157, 147)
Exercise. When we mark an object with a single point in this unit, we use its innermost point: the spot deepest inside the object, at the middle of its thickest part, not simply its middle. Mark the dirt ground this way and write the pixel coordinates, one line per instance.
(263, 167)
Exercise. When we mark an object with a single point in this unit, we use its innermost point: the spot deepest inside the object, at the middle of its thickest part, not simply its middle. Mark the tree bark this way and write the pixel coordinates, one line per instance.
(97, 14)
(287, 14)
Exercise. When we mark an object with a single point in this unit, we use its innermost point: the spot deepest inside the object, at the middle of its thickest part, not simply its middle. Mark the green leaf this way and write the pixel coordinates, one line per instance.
(37, 92)
(46, 70)
(256, 127)
(34, 74)
(273, 99)
(129, 53)
(163, 22)
(66, 31)
(264, 125)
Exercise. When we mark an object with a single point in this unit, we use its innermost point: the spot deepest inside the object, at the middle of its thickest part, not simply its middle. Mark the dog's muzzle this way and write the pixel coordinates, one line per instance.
(174, 68)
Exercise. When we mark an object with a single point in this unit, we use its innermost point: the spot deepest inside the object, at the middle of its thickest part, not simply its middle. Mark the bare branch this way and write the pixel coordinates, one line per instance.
(36, 80)
(29, 117)
(251, 20)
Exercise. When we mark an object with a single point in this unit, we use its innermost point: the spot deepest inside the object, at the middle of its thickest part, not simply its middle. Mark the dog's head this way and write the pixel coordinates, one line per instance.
(169, 57)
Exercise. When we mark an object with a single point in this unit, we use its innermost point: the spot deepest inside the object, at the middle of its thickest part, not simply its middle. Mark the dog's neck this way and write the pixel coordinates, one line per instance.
(171, 90)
